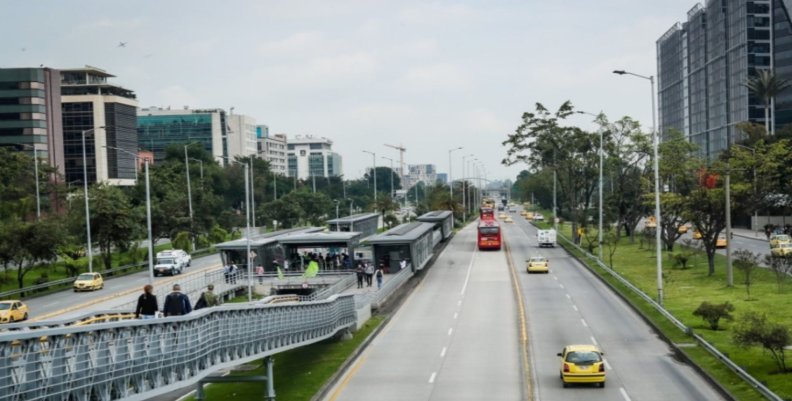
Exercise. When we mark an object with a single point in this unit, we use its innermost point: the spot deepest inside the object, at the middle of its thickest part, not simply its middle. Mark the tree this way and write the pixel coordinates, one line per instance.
(759, 172)
(747, 262)
(713, 313)
(780, 266)
(286, 211)
(612, 239)
(765, 86)
(705, 208)
(755, 329)
(34, 242)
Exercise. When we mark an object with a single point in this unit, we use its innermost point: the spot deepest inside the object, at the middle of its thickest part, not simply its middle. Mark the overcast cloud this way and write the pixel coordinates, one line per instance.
(427, 75)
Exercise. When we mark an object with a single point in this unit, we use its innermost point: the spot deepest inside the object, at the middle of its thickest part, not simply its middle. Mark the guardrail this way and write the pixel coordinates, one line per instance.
(65, 281)
(375, 298)
(140, 359)
(756, 384)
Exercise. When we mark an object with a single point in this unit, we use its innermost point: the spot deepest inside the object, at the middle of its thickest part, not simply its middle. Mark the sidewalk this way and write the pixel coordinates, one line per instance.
(354, 290)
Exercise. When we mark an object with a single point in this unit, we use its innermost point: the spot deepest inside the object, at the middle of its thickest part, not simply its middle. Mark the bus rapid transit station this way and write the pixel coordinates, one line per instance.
(444, 224)
(363, 223)
(141, 359)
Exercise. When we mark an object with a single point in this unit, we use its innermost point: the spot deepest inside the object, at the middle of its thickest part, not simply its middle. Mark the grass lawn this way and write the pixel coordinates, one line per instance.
(299, 373)
(685, 289)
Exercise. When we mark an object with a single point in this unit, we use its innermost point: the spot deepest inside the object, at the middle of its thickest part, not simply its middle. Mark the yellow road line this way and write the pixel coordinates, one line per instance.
(116, 295)
(523, 324)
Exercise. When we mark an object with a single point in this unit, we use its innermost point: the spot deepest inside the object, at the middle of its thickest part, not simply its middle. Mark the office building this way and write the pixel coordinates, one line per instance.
(242, 140)
(442, 179)
(272, 148)
(106, 113)
(30, 113)
(309, 156)
(704, 63)
(159, 128)
(425, 173)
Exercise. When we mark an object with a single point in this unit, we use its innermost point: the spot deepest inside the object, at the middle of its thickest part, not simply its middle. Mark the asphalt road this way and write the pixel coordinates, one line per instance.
(68, 303)
(570, 306)
(454, 338)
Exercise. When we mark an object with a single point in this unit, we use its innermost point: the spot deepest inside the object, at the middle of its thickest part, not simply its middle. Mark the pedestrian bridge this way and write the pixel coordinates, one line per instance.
(137, 360)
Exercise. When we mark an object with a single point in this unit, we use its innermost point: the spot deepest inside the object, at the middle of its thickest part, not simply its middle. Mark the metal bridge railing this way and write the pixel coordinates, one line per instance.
(375, 298)
(139, 359)
(756, 384)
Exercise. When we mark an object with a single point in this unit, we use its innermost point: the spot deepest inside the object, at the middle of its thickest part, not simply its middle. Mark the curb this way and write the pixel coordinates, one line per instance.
(677, 350)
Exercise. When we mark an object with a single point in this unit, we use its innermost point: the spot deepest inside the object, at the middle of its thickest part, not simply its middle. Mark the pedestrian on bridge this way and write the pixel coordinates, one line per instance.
(147, 304)
(369, 274)
(176, 303)
(379, 275)
(359, 271)
(208, 298)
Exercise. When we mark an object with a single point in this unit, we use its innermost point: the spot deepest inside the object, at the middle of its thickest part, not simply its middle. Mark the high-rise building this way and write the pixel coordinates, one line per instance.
(106, 113)
(242, 139)
(30, 113)
(442, 178)
(272, 148)
(309, 156)
(704, 63)
(425, 173)
(158, 128)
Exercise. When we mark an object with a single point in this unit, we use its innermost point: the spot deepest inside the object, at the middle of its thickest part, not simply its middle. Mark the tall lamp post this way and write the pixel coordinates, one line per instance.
(655, 141)
(85, 188)
(465, 201)
(599, 228)
(393, 172)
(148, 208)
(451, 181)
(189, 192)
(36, 174)
(247, 233)
(373, 171)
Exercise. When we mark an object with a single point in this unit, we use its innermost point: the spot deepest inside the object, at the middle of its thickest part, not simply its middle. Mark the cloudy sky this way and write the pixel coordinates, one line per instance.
(430, 75)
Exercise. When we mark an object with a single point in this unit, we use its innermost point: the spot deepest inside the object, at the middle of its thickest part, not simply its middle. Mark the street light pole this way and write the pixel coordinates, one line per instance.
(36, 172)
(87, 210)
(655, 143)
(393, 194)
(599, 227)
(189, 192)
(148, 226)
(464, 191)
(274, 185)
(451, 184)
(247, 233)
(373, 171)
(252, 194)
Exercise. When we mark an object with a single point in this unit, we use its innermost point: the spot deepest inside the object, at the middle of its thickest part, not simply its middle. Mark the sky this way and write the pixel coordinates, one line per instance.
(427, 75)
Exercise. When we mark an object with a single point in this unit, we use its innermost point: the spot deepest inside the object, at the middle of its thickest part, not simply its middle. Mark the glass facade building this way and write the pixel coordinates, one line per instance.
(309, 156)
(704, 63)
(159, 128)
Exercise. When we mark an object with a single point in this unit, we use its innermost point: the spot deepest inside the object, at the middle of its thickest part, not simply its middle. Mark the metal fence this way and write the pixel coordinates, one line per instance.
(65, 282)
(756, 384)
(137, 360)
(375, 298)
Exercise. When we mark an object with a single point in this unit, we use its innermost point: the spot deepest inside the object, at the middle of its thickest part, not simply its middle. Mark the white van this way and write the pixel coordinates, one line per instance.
(171, 262)
(546, 238)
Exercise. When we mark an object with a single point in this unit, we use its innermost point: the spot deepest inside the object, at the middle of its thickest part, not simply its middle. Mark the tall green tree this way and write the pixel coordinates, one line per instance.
(34, 242)
(765, 86)
(706, 209)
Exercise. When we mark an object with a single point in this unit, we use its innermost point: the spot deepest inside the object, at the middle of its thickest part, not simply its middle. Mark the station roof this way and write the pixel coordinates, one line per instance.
(354, 218)
(435, 216)
(266, 238)
(404, 233)
(321, 238)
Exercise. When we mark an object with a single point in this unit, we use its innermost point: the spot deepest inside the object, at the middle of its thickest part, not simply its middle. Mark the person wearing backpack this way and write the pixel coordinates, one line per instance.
(207, 299)
(176, 303)
(379, 275)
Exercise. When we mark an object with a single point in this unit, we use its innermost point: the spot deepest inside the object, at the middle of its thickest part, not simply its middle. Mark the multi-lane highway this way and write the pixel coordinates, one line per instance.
(456, 337)
(570, 306)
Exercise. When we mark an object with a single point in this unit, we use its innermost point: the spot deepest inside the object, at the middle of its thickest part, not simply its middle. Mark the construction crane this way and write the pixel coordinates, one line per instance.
(401, 150)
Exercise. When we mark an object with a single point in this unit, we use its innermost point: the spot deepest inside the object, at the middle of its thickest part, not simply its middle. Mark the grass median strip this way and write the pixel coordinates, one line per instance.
(685, 290)
(299, 373)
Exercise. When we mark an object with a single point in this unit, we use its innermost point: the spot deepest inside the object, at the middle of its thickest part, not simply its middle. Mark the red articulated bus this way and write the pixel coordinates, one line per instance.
(486, 213)
(489, 235)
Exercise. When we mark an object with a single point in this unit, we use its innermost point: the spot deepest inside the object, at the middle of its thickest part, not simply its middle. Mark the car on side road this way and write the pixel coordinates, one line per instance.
(721, 242)
(683, 229)
(88, 282)
(171, 262)
(508, 219)
(697, 234)
(582, 364)
(782, 250)
(13, 311)
(537, 264)
(502, 216)
(538, 217)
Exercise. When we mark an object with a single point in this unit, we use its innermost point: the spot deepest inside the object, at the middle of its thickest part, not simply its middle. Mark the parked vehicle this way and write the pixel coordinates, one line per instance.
(546, 238)
(171, 262)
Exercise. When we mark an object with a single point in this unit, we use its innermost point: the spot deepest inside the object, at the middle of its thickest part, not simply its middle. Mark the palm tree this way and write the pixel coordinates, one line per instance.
(766, 85)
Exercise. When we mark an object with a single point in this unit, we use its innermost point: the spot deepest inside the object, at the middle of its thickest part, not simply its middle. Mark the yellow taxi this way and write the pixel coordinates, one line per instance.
(508, 219)
(682, 229)
(13, 311)
(529, 215)
(88, 282)
(502, 216)
(582, 364)
(696, 234)
(537, 264)
(651, 222)
(721, 242)
(782, 250)
(779, 239)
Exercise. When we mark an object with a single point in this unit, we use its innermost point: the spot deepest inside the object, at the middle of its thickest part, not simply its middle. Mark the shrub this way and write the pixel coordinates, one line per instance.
(43, 278)
(755, 329)
(681, 259)
(713, 313)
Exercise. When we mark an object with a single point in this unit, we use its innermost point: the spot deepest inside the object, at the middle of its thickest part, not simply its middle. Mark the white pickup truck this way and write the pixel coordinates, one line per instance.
(171, 262)
(546, 238)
